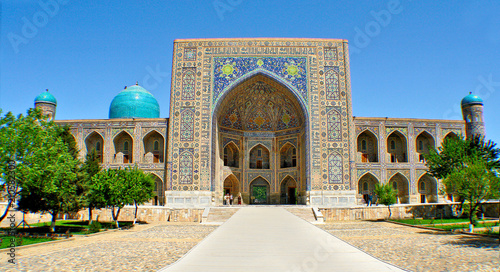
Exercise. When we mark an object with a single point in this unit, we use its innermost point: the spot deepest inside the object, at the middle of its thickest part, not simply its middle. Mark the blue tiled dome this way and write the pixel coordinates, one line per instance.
(134, 102)
(46, 97)
(472, 99)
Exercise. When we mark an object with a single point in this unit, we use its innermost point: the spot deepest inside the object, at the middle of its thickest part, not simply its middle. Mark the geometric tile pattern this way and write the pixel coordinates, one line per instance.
(332, 83)
(187, 124)
(188, 83)
(228, 69)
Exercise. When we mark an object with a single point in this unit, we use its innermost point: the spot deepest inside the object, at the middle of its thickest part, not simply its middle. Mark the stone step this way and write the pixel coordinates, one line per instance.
(220, 214)
(304, 213)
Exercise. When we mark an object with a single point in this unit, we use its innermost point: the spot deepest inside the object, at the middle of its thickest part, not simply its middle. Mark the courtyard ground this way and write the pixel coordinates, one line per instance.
(154, 246)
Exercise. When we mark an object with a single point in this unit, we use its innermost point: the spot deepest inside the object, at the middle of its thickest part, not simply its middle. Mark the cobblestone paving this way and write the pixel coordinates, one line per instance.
(144, 250)
(418, 249)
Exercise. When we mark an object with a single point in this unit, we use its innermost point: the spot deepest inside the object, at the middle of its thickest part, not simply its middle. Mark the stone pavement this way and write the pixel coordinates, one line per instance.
(142, 248)
(420, 249)
(273, 239)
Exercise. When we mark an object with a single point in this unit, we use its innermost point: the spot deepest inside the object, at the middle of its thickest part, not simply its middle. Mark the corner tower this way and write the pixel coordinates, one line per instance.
(472, 111)
(47, 103)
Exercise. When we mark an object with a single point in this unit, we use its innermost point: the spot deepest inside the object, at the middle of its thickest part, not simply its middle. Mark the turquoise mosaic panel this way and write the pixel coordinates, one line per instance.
(289, 69)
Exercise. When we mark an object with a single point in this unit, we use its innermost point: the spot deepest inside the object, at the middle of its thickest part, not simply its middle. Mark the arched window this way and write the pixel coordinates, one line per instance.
(422, 186)
(98, 146)
(420, 145)
(288, 156)
(393, 145)
(363, 145)
(365, 186)
(155, 146)
(125, 146)
(395, 185)
(259, 158)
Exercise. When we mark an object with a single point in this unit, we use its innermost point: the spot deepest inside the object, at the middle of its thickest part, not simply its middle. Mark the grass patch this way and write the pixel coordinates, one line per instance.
(21, 241)
(69, 227)
(463, 226)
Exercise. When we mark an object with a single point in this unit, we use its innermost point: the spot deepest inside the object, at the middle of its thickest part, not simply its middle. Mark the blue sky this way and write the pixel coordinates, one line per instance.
(414, 59)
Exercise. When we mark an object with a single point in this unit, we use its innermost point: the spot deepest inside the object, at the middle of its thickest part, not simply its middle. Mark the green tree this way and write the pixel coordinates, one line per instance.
(20, 137)
(468, 169)
(91, 167)
(111, 187)
(141, 187)
(50, 175)
(455, 152)
(473, 183)
(385, 195)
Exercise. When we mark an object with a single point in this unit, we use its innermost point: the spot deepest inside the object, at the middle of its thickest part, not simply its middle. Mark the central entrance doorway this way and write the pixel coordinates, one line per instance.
(259, 191)
(260, 129)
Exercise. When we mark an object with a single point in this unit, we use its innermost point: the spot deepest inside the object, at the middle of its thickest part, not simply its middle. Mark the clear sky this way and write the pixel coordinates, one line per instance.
(414, 59)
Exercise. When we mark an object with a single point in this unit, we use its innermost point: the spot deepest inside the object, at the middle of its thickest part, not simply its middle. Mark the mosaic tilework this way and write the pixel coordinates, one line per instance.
(187, 125)
(330, 53)
(335, 168)
(186, 165)
(189, 54)
(229, 69)
(334, 121)
(332, 83)
(188, 83)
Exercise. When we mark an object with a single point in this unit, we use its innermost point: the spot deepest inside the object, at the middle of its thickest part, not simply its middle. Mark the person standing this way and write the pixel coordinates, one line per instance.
(239, 199)
(231, 199)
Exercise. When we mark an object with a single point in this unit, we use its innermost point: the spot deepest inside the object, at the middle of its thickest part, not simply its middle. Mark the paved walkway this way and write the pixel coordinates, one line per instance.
(272, 239)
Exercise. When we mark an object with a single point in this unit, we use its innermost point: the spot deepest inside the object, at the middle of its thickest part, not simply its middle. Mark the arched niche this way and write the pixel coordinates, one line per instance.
(254, 107)
(428, 189)
(159, 190)
(94, 141)
(366, 184)
(259, 191)
(231, 186)
(288, 156)
(397, 148)
(259, 157)
(231, 155)
(288, 191)
(124, 148)
(367, 147)
(402, 187)
(154, 146)
(423, 143)
(451, 135)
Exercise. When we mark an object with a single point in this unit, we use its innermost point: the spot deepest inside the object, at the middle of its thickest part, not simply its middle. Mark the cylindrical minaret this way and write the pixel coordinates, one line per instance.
(472, 111)
(47, 103)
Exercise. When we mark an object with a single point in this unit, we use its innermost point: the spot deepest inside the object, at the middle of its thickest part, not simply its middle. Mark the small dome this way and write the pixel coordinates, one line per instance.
(472, 99)
(134, 102)
(46, 97)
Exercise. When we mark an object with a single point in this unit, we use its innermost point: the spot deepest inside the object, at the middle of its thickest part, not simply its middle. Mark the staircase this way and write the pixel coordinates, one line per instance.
(305, 213)
(220, 214)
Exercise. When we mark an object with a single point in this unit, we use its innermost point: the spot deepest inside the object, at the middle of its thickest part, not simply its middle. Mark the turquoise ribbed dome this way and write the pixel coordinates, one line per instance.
(472, 99)
(134, 102)
(46, 97)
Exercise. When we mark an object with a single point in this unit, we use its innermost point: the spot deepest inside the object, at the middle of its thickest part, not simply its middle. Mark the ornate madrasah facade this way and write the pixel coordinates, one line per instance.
(270, 119)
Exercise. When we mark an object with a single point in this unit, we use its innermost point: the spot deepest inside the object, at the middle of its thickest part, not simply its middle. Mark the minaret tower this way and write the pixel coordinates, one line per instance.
(472, 111)
(47, 103)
